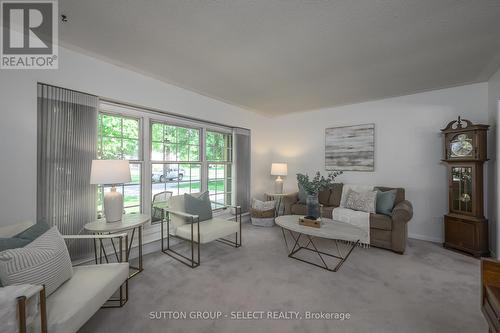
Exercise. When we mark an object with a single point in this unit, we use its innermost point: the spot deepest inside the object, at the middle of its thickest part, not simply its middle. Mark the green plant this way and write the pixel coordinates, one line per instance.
(318, 183)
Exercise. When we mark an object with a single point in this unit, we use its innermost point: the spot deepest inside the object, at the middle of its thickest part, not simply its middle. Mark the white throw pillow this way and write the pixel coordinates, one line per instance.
(361, 201)
(354, 187)
(45, 261)
(263, 205)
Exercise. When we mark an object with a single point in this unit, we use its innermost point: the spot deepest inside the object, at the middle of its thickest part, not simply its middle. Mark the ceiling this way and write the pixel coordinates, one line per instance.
(282, 56)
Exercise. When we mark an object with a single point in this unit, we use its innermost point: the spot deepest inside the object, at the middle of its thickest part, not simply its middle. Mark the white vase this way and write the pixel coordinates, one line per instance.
(113, 205)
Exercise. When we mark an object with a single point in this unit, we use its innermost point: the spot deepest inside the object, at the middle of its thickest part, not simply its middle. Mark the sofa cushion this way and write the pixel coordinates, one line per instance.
(298, 209)
(385, 202)
(324, 197)
(70, 306)
(45, 261)
(200, 206)
(327, 212)
(380, 221)
(335, 195)
(210, 230)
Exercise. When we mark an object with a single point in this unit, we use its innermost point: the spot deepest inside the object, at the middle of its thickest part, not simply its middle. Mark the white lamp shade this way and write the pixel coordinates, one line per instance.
(279, 169)
(110, 172)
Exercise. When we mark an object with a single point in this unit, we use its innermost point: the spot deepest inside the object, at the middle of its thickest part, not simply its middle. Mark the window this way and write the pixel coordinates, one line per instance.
(218, 147)
(179, 156)
(175, 152)
(119, 137)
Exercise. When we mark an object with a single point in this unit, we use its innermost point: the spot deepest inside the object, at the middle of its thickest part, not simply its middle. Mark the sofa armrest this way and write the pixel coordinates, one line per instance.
(403, 212)
(182, 214)
(31, 301)
(108, 236)
(122, 237)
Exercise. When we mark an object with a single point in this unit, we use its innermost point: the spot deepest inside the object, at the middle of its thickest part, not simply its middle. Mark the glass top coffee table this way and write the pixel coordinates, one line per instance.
(344, 236)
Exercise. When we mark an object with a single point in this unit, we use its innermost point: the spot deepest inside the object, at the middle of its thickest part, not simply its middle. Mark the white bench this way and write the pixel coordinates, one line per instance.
(90, 287)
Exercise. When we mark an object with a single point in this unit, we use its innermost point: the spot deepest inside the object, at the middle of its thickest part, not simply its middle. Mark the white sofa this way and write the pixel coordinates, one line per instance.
(90, 287)
(215, 229)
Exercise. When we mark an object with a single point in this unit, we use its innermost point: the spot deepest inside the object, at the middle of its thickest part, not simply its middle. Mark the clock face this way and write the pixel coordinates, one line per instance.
(461, 146)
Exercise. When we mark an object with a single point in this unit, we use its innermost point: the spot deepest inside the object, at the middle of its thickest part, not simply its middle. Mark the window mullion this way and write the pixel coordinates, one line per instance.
(204, 163)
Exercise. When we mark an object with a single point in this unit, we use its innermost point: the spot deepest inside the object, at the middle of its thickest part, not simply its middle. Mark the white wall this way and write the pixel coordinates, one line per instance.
(408, 141)
(18, 126)
(493, 151)
(408, 145)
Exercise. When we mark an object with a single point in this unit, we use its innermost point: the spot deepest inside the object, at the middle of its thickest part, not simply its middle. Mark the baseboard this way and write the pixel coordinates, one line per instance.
(426, 238)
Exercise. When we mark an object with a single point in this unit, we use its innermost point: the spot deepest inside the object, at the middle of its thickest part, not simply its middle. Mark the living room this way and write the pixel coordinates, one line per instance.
(195, 102)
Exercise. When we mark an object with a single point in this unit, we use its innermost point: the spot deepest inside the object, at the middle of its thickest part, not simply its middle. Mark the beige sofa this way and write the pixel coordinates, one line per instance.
(388, 232)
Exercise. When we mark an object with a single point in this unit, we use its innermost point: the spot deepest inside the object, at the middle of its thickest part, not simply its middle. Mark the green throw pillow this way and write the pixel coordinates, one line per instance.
(200, 206)
(12, 243)
(302, 195)
(385, 202)
(33, 232)
(23, 238)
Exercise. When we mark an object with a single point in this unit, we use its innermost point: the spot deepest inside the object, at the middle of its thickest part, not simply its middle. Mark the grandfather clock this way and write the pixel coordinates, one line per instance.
(465, 228)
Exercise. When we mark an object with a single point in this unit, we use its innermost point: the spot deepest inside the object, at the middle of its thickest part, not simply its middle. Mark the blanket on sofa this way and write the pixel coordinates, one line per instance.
(356, 218)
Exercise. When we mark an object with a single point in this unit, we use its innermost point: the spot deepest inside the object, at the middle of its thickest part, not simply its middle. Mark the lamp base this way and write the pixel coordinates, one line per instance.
(113, 205)
(278, 185)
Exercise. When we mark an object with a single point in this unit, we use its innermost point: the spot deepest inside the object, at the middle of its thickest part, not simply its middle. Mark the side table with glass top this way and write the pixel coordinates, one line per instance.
(134, 222)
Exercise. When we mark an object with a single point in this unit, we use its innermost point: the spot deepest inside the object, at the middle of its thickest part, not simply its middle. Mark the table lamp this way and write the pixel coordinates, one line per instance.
(279, 169)
(111, 172)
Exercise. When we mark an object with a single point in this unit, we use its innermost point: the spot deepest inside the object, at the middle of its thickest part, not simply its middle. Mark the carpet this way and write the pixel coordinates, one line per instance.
(428, 289)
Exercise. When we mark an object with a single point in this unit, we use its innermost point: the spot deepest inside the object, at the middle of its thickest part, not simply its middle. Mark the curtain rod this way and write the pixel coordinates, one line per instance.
(149, 109)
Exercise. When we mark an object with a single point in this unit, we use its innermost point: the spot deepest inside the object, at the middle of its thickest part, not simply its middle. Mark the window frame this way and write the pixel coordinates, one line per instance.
(228, 164)
(146, 118)
(140, 154)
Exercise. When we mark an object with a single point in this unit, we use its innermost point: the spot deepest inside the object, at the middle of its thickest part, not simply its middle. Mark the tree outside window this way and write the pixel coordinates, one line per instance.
(175, 152)
(119, 137)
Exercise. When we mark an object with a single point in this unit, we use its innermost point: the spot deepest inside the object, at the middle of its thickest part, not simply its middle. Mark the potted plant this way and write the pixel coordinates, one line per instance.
(313, 186)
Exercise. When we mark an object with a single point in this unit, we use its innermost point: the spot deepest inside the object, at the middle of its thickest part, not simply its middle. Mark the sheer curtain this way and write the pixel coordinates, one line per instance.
(242, 164)
(67, 144)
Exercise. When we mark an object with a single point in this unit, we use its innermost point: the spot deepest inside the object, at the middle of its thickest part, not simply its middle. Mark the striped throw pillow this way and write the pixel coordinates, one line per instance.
(45, 261)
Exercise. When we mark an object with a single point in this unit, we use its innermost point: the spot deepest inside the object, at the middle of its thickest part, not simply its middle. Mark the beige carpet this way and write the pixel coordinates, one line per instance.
(429, 289)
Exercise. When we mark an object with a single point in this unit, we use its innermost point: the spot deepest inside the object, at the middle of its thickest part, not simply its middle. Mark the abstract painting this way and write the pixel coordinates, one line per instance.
(350, 148)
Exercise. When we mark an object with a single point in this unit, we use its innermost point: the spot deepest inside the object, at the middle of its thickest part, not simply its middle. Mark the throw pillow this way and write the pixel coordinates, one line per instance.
(45, 261)
(302, 195)
(385, 202)
(12, 243)
(200, 206)
(34, 231)
(324, 196)
(362, 201)
(263, 205)
(336, 195)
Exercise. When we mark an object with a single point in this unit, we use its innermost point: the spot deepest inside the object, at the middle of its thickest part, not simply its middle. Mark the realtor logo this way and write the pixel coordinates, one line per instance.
(29, 34)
